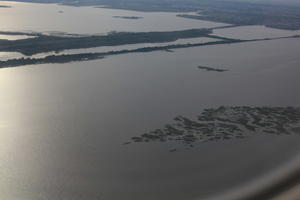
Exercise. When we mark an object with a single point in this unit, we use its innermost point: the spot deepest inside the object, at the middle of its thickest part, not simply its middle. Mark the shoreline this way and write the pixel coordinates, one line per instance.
(66, 58)
(287, 17)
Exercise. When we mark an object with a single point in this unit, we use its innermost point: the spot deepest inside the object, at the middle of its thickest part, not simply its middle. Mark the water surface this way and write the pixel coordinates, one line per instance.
(254, 32)
(88, 20)
(62, 126)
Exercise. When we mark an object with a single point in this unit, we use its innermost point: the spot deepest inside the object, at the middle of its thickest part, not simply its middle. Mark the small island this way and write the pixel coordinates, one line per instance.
(128, 17)
(212, 69)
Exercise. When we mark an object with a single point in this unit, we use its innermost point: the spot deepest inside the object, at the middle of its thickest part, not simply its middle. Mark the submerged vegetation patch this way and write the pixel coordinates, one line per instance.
(225, 123)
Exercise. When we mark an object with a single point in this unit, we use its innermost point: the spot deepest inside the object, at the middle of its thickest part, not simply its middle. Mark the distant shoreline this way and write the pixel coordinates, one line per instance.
(271, 15)
(47, 43)
(1, 6)
(66, 58)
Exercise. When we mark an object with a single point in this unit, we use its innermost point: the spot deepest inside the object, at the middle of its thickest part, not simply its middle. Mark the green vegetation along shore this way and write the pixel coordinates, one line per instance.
(65, 58)
(49, 43)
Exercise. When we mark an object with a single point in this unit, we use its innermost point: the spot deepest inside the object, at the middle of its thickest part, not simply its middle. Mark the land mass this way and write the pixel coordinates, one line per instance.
(282, 16)
(65, 58)
(20, 33)
(274, 16)
(48, 43)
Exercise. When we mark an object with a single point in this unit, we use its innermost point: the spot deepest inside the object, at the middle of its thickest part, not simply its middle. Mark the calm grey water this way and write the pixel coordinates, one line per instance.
(88, 20)
(62, 126)
(254, 32)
